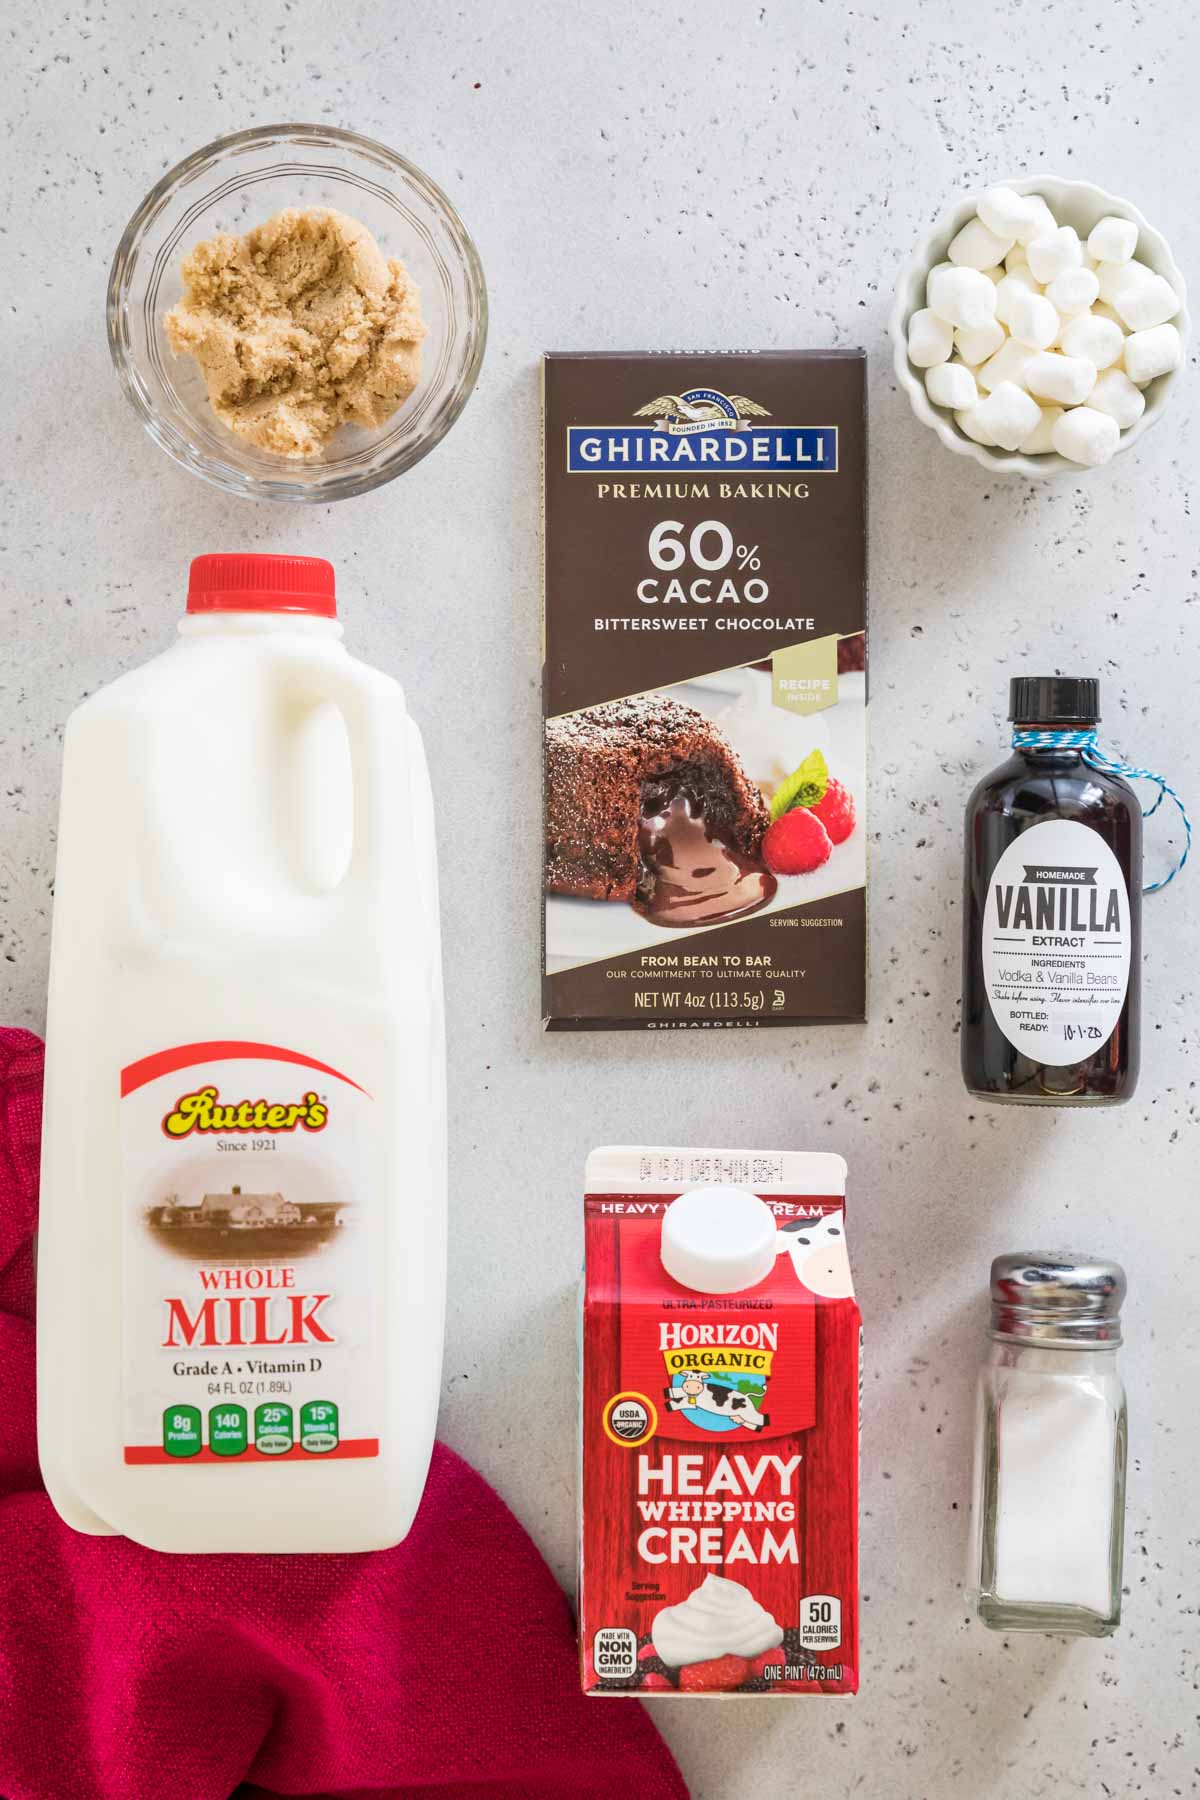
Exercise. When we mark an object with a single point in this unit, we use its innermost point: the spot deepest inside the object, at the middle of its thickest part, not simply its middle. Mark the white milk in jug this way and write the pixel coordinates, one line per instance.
(241, 1258)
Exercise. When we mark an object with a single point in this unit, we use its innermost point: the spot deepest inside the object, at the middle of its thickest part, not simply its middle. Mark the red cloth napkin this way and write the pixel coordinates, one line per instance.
(444, 1666)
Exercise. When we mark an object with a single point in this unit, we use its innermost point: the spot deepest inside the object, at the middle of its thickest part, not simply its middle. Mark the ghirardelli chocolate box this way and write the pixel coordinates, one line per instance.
(719, 1493)
(705, 689)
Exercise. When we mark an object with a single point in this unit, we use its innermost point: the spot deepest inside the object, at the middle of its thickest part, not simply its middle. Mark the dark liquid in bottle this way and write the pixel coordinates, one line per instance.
(1090, 932)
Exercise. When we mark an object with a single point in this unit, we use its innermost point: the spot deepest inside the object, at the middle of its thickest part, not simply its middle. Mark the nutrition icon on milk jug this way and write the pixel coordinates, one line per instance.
(242, 1243)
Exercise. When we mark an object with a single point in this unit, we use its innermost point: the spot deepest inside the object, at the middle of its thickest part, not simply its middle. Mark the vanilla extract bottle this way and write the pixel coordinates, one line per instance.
(1052, 911)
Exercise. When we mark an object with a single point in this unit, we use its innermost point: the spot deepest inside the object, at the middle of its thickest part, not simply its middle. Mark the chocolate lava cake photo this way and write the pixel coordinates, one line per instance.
(646, 802)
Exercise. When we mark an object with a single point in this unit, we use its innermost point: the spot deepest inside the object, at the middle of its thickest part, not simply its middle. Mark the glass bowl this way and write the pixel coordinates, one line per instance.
(236, 183)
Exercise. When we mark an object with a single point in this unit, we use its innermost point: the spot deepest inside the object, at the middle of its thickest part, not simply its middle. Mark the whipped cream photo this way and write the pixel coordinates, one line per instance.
(722, 1618)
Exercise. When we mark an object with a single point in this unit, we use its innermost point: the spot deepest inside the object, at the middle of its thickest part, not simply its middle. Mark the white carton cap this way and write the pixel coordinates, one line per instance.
(718, 1240)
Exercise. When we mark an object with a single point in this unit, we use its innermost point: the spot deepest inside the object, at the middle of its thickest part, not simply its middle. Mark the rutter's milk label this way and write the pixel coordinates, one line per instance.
(248, 1296)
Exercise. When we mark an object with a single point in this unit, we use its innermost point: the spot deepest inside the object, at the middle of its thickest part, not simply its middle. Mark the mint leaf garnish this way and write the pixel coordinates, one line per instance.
(805, 786)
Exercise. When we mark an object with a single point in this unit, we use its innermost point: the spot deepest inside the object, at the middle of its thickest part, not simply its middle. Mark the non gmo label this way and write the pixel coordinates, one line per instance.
(614, 1650)
(1056, 942)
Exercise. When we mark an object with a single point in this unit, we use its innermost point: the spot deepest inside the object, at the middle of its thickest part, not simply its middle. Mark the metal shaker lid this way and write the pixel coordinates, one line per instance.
(1057, 1297)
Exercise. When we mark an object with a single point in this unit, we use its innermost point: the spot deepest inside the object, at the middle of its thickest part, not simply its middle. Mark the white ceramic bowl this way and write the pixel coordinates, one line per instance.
(1075, 203)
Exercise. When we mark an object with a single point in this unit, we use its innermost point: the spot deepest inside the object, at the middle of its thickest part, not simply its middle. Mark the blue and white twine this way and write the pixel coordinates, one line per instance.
(1086, 742)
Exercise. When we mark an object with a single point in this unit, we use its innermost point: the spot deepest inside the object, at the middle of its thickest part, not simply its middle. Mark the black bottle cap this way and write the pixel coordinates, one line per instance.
(1054, 699)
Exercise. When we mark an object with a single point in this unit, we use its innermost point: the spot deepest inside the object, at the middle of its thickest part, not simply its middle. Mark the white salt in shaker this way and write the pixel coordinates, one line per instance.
(1049, 1497)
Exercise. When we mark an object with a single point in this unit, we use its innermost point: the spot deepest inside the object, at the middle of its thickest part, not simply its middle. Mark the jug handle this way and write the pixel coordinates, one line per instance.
(376, 720)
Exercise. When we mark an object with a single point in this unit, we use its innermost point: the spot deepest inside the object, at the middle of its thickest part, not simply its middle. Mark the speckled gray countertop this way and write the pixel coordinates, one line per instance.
(639, 175)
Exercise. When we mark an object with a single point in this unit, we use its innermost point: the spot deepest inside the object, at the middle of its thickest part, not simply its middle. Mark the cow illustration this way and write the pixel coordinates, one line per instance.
(817, 1248)
(720, 1398)
(733, 1405)
(688, 1392)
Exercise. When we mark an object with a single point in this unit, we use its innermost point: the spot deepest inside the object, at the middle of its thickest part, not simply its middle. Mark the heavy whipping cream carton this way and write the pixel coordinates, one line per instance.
(719, 1532)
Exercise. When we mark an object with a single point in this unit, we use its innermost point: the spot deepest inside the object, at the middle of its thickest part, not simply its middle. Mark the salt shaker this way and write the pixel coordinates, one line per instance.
(1050, 1438)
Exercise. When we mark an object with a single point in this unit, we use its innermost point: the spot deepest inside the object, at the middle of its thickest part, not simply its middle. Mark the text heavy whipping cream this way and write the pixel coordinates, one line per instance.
(242, 1211)
(720, 1425)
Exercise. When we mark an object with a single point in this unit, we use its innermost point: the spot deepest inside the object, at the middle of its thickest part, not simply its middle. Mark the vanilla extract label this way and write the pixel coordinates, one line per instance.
(1040, 904)
(1056, 942)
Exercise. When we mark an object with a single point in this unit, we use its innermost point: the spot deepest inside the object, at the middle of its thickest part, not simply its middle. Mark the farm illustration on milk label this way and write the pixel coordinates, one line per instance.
(247, 1266)
(720, 1429)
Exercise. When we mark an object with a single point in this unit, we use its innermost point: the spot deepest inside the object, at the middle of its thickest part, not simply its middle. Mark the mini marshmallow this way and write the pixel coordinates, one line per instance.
(1117, 278)
(1016, 258)
(1008, 364)
(1141, 298)
(1019, 282)
(962, 297)
(1151, 353)
(969, 424)
(1102, 310)
(1147, 301)
(1040, 440)
(1074, 290)
(930, 339)
(1116, 395)
(1113, 240)
(1008, 413)
(953, 385)
(976, 346)
(1058, 250)
(975, 247)
(1032, 320)
(1086, 436)
(1040, 223)
(937, 269)
(1065, 379)
(1007, 213)
(1099, 340)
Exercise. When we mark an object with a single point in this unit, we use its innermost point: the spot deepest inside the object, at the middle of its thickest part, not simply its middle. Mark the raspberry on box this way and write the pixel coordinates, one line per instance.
(719, 1675)
(836, 811)
(797, 843)
(651, 1663)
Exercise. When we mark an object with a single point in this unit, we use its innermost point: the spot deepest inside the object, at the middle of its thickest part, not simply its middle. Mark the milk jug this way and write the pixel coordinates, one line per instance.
(241, 1258)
